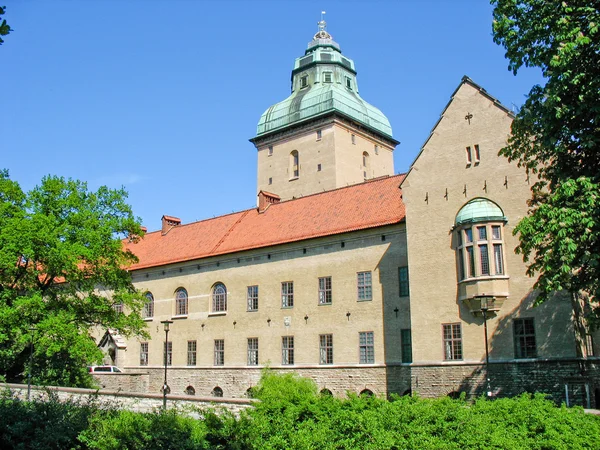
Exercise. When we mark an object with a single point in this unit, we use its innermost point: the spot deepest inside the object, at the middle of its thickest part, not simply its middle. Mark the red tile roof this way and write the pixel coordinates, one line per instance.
(367, 205)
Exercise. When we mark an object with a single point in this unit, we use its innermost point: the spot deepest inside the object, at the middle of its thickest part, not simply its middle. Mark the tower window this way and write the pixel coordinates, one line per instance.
(468, 155)
(294, 164)
(319, 135)
(270, 180)
(376, 149)
(318, 167)
(476, 146)
(348, 82)
(327, 77)
(270, 151)
(303, 81)
(365, 163)
(353, 139)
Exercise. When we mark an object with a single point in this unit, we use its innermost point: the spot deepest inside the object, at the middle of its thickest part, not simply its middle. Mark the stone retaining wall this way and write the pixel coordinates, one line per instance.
(131, 401)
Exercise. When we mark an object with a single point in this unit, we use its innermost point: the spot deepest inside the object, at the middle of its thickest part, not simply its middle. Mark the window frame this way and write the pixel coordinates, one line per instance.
(325, 75)
(325, 291)
(403, 283)
(364, 288)
(252, 351)
(144, 354)
(303, 81)
(192, 347)
(452, 341)
(480, 255)
(406, 345)
(287, 294)
(252, 298)
(181, 302)
(168, 353)
(524, 341)
(287, 350)
(219, 352)
(219, 299)
(326, 349)
(366, 347)
(148, 309)
(294, 164)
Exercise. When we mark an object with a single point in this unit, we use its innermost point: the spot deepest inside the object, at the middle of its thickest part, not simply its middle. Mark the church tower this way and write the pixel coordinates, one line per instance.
(324, 135)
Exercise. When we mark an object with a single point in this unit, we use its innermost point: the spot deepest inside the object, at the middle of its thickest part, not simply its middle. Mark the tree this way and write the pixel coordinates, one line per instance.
(62, 273)
(556, 137)
(4, 28)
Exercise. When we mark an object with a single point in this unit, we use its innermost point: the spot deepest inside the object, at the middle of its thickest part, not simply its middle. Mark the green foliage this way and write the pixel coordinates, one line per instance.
(556, 136)
(4, 28)
(292, 416)
(62, 269)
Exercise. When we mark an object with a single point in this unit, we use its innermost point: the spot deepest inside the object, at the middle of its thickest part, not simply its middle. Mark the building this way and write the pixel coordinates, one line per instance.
(363, 280)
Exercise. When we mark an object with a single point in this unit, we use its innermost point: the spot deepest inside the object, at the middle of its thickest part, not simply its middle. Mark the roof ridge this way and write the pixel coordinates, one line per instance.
(372, 180)
(244, 214)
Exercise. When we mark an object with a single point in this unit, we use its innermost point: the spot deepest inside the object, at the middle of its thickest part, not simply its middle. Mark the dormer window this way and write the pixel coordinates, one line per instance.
(303, 81)
(327, 78)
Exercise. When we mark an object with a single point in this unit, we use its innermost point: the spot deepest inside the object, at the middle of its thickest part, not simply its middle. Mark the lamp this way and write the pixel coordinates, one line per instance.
(166, 324)
(486, 302)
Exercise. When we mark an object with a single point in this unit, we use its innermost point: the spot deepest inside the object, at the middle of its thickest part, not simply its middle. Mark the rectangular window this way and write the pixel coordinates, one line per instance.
(485, 260)
(496, 233)
(270, 151)
(168, 353)
(287, 294)
(144, 354)
(452, 341)
(325, 291)
(327, 77)
(403, 280)
(118, 308)
(219, 352)
(471, 261)
(191, 353)
(376, 149)
(319, 135)
(524, 334)
(365, 291)
(476, 153)
(303, 81)
(326, 349)
(406, 341)
(353, 138)
(252, 351)
(348, 82)
(482, 233)
(366, 347)
(461, 264)
(589, 345)
(468, 154)
(468, 235)
(498, 263)
(318, 167)
(270, 180)
(287, 350)
(252, 298)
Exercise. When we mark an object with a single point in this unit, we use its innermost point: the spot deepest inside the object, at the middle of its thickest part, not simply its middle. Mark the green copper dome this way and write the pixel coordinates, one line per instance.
(479, 210)
(323, 81)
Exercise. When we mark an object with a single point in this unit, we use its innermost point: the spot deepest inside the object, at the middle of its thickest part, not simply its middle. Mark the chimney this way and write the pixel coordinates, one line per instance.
(265, 199)
(169, 222)
(144, 229)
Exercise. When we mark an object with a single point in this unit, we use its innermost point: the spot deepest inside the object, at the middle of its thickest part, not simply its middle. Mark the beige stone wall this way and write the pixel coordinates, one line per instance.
(380, 251)
(341, 161)
(439, 184)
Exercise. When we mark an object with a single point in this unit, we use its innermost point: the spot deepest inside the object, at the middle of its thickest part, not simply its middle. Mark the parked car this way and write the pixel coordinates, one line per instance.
(104, 369)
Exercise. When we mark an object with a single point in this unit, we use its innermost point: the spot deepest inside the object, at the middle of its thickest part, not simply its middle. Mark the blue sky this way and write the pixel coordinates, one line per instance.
(161, 97)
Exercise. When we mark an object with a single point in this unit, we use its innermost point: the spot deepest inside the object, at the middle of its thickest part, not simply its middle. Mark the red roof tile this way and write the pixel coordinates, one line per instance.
(367, 205)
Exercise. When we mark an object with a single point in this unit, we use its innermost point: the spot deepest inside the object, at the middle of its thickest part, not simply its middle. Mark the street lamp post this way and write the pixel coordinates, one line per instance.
(166, 324)
(31, 329)
(485, 307)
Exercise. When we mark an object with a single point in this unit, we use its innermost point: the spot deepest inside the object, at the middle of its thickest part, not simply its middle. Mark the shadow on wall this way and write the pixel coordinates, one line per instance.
(553, 369)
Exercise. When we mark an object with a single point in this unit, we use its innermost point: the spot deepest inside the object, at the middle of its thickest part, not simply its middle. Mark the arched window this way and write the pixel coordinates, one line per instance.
(217, 392)
(294, 164)
(365, 163)
(181, 302)
(326, 392)
(366, 393)
(190, 390)
(219, 298)
(148, 310)
(479, 239)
